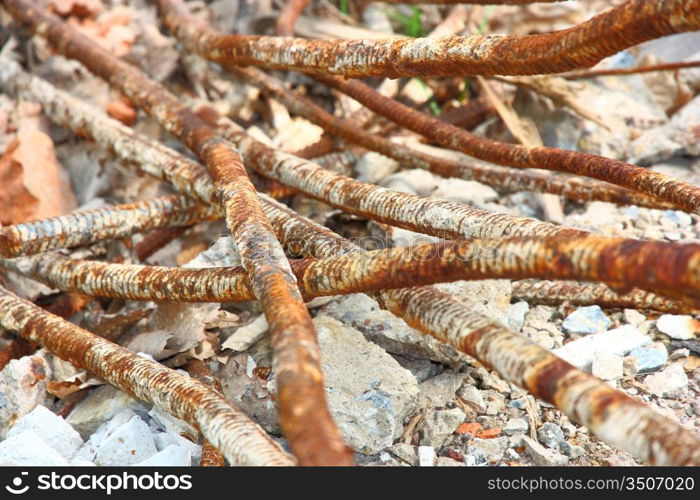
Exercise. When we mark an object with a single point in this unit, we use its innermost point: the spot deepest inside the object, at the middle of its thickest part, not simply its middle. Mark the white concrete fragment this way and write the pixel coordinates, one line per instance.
(678, 327)
(669, 382)
(22, 388)
(426, 456)
(28, 449)
(368, 404)
(171, 456)
(620, 341)
(55, 431)
(128, 444)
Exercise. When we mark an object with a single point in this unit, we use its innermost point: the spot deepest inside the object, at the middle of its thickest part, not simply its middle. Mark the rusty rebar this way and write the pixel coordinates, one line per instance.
(613, 416)
(584, 294)
(304, 416)
(582, 46)
(586, 258)
(89, 226)
(649, 68)
(241, 440)
(436, 217)
(211, 457)
(289, 15)
(504, 179)
(632, 177)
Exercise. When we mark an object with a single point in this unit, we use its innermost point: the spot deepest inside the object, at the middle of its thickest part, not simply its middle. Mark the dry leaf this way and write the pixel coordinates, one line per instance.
(32, 183)
(110, 30)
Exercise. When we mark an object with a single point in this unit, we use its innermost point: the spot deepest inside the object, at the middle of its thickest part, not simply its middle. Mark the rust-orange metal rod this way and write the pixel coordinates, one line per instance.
(651, 68)
(584, 294)
(304, 416)
(432, 216)
(611, 415)
(89, 226)
(632, 177)
(652, 265)
(211, 457)
(581, 46)
(242, 441)
(504, 179)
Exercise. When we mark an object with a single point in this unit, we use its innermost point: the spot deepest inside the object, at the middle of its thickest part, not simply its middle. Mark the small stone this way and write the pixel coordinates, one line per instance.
(439, 425)
(551, 435)
(373, 168)
(607, 366)
(515, 318)
(472, 428)
(495, 402)
(649, 359)
(488, 450)
(572, 451)
(440, 390)
(540, 455)
(449, 462)
(413, 181)
(489, 381)
(388, 331)
(368, 405)
(422, 369)
(669, 382)
(26, 448)
(472, 397)
(586, 320)
(22, 388)
(620, 341)
(164, 421)
(464, 191)
(405, 452)
(101, 405)
(171, 456)
(516, 426)
(52, 429)
(678, 327)
(128, 444)
(633, 317)
(426, 456)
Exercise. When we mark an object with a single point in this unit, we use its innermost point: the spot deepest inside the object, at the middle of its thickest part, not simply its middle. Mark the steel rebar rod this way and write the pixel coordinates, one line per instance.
(242, 441)
(304, 416)
(581, 46)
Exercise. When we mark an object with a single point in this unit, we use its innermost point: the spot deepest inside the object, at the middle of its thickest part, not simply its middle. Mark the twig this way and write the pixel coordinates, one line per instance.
(593, 73)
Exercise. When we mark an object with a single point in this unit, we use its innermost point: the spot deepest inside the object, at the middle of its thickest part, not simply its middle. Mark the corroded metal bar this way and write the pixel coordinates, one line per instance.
(504, 179)
(582, 46)
(211, 457)
(436, 217)
(593, 73)
(304, 416)
(425, 215)
(556, 292)
(289, 15)
(89, 226)
(613, 416)
(587, 258)
(632, 177)
(474, 2)
(241, 440)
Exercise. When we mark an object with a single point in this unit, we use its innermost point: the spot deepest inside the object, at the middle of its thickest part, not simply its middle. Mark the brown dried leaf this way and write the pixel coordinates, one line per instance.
(32, 183)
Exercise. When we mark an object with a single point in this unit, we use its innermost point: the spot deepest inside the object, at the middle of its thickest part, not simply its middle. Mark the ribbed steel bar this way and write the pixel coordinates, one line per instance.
(585, 294)
(304, 416)
(503, 178)
(581, 46)
(613, 416)
(90, 226)
(241, 440)
(667, 268)
(632, 177)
